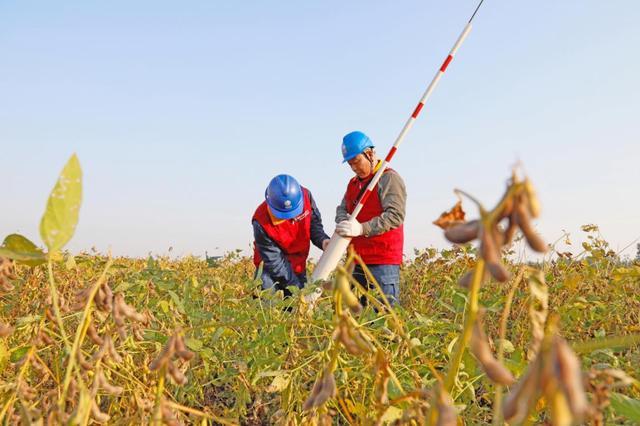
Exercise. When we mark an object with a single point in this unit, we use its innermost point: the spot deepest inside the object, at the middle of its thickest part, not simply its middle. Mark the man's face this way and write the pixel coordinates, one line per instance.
(360, 165)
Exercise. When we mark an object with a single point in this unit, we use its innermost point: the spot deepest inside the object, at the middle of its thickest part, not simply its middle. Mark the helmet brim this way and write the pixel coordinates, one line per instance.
(352, 156)
(349, 158)
(290, 214)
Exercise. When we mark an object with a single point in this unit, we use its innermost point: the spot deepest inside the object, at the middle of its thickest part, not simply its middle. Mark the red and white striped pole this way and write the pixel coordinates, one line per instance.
(338, 244)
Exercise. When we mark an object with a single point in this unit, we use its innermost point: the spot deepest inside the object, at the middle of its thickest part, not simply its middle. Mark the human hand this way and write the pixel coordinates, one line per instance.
(349, 228)
(325, 244)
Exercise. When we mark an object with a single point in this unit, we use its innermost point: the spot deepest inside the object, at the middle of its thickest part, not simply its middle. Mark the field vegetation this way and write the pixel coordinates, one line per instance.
(481, 335)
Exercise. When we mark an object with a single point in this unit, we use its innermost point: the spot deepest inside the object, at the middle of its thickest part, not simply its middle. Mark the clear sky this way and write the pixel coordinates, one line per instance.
(181, 112)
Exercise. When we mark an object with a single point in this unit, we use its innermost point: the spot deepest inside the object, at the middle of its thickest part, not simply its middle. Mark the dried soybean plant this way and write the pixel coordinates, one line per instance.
(554, 372)
(5, 329)
(115, 305)
(357, 341)
(517, 206)
(165, 365)
(495, 371)
(7, 273)
(601, 383)
(324, 387)
(346, 334)
(99, 296)
(23, 402)
(100, 382)
(164, 361)
(538, 310)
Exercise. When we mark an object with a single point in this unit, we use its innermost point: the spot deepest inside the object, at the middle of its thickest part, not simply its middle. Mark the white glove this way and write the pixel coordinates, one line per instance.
(349, 228)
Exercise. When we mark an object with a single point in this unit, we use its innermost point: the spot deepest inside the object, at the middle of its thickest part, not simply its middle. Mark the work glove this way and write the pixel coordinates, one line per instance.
(349, 228)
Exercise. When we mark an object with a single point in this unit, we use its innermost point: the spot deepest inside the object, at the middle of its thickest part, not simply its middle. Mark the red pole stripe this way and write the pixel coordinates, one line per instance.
(445, 64)
(417, 110)
(391, 153)
(365, 197)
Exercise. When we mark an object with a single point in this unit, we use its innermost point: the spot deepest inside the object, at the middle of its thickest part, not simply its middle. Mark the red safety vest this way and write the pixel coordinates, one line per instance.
(292, 235)
(383, 249)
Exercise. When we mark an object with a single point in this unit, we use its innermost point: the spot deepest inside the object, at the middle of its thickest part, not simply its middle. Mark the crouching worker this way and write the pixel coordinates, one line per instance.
(378, 231)
(283, 227)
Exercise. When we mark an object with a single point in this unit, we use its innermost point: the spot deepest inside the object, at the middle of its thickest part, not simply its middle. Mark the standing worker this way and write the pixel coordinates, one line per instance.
(378, 231)
(283, 226)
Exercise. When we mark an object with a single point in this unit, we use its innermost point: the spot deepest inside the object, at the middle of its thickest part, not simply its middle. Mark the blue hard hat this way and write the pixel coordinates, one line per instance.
(354, 143)
(284, 197)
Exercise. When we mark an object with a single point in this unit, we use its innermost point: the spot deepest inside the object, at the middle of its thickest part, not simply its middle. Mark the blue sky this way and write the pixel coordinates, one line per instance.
(181, 112)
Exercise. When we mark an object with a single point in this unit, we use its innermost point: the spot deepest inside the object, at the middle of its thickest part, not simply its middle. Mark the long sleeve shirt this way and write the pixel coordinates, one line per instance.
(393, 198)
(275, 261)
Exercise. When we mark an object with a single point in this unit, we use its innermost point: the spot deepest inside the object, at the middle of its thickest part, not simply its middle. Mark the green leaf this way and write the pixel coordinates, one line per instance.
(193, 344)
(197, 314)
(164, 305)
(26, 320)
(124, 286)
(61, 215)
(177, 301)
(207, 353)
(22, 250)
(507, 346)
(625, 406)
(19, 353)
(70, 263)
(151, 264)
(217, 334)
(155, 336)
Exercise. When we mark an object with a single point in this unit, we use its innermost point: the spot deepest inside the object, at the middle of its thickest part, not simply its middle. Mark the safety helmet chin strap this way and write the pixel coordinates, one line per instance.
(370, 155)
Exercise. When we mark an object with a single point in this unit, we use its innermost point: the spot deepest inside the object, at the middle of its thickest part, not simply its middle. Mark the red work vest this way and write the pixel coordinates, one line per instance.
(383, 249)
(292, 235)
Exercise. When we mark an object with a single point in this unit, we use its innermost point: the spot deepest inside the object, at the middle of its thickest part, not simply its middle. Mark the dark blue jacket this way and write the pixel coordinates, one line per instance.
(276, 264)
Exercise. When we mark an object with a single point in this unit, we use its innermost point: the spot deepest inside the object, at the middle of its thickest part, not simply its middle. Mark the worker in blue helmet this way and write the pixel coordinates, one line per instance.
(284, 226)
(378, 231)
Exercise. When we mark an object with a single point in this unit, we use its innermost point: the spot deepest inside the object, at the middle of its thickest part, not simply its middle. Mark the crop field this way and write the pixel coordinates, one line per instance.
(481, 336)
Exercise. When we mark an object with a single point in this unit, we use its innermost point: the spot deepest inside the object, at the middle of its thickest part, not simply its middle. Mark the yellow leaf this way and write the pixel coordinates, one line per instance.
(391, 415)
(279, 383)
